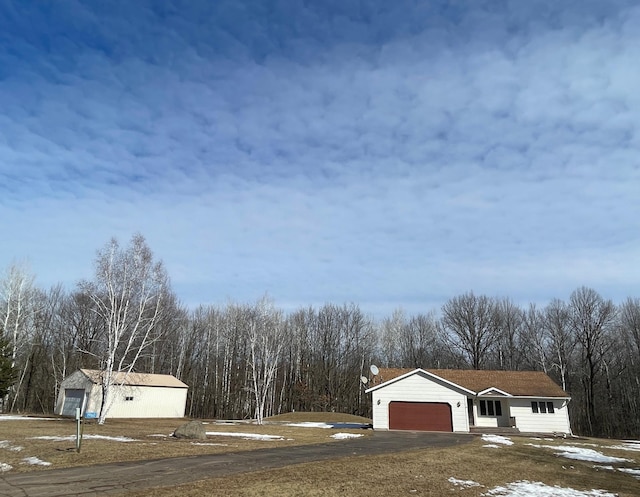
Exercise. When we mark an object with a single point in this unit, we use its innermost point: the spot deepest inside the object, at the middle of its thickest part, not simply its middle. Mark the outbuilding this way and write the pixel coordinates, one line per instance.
(466, 400)
(134, 395)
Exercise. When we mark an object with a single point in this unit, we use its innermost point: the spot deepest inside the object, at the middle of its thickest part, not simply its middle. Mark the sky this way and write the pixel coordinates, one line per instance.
(389, 154)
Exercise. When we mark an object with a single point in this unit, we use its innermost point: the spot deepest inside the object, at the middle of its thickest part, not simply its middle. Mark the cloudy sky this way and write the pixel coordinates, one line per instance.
(387, 153)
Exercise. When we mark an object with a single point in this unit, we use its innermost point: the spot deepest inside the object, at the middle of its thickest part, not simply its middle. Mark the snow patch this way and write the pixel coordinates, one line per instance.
(5, 467)
(580, 454)
(34, 461)
(491, 446)
(627, 445)
(463, 483)
(342, 426)
(84, 437)
(23, 418)
(497, 439)
(210, 444)
(5, 444)
(309, 424)
(538, 489)
(344, 436)
(600, 466)
(634, 472)
(246, 436)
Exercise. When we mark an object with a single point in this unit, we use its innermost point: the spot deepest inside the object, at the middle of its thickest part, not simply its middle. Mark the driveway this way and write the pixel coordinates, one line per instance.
(112, 479)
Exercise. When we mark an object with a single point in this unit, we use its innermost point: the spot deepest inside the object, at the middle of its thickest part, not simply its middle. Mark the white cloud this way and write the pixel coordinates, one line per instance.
(396, 155)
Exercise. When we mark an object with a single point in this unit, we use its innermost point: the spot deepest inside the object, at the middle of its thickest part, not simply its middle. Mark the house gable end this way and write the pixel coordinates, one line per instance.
(494, 391)
(427, 375)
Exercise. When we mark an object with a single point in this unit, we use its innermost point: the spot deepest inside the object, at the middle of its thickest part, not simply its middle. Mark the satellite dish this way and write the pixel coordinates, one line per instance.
(364, 380)
(374, 369)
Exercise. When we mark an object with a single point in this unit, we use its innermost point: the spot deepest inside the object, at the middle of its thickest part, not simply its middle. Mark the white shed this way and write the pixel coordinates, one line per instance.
(467, 400)
(134, 395)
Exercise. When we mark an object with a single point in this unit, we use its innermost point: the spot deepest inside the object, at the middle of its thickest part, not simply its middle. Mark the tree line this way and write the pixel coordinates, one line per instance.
(251, 360)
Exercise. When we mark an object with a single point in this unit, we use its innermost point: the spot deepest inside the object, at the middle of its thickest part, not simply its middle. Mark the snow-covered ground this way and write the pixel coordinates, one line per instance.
(5, 467)
(64, 438)
(35, 461)
(538, 489)
(245, 436)
(526, 488)
(8, 417)
(338, 426)
(344, 436)
(463, 483)
(497, 439)
(210, 444)
(627, 445)
(5, 444)
(581, 454)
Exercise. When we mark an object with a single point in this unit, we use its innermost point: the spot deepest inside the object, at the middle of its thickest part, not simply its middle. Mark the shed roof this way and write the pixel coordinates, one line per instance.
(136, 379)
(516, 383)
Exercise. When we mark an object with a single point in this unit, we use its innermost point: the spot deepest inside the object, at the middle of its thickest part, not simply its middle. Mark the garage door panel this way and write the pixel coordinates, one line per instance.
(420, 416)
(72, 399)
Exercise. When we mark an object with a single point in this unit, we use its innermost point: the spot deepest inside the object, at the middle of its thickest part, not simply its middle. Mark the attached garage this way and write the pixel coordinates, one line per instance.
(420, 416)
(449, 400)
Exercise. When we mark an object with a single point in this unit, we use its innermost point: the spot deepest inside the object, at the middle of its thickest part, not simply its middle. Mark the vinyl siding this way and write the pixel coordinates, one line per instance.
(491, 421)
(528, 421)
(148, 402)
(419, 388)
(75, 381)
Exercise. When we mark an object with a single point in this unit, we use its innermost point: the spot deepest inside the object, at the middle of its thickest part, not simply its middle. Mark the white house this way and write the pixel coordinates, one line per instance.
(134, 395)
(461, 400)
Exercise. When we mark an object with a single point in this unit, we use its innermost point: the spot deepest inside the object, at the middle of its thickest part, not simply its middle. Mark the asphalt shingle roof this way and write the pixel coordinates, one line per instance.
(517, 383)
(137, 379)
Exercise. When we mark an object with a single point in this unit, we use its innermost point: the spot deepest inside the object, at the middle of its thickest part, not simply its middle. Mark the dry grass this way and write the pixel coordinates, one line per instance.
(423, 472)
(151, 437)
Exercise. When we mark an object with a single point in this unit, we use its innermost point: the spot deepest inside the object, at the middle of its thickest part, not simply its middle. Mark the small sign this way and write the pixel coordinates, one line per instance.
(90, 415)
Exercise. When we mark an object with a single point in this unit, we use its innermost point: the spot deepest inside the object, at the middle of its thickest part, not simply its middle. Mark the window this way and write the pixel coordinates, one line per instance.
(542, 407)
(490, 408)
(128, 398)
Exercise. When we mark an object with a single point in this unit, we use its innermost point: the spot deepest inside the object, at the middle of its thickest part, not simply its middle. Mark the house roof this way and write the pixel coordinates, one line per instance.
(136, 379)
(515, 383)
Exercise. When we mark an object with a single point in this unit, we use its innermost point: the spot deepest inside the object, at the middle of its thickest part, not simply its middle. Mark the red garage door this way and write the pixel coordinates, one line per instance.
(420, 416)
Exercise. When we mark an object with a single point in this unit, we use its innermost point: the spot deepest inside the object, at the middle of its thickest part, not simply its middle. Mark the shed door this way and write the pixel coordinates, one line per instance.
(420, 416)
(72, 399)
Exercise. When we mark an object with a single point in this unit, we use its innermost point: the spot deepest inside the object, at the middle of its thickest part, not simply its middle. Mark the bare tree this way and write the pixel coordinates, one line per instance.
(535, 340)
(16, 311)
(265, 335)
(509, 320)
(561, 340)
(630, 322)
(128, 292)
(591, 319)
(468, 325)
(419, 342)
(16, 289)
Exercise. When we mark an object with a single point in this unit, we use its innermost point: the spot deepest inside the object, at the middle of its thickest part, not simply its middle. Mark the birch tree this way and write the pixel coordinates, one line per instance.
(265, 336)
(128, 292)
(16, 288)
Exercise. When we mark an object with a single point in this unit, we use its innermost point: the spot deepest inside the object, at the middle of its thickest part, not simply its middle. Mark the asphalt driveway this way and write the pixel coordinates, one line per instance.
(113, 479)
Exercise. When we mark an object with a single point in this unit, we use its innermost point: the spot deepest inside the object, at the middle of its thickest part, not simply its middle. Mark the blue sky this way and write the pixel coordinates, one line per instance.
(391, 154)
